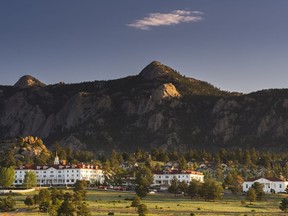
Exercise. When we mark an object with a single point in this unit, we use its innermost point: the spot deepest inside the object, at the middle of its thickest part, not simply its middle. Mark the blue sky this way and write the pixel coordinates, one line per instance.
(235, 45)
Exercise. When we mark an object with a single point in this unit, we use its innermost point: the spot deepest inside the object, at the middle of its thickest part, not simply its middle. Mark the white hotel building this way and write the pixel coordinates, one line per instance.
(165, 177)
(60, 174)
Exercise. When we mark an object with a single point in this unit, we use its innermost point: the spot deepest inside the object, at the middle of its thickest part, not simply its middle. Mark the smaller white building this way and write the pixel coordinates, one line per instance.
(165, 177)
(269, 184)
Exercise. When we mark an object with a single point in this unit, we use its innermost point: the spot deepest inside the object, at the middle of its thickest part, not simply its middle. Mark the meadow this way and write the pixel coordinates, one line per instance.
(103, 202)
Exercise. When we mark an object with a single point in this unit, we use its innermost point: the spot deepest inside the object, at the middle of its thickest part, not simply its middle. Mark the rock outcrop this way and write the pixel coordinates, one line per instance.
(28, 81)
(23, 149)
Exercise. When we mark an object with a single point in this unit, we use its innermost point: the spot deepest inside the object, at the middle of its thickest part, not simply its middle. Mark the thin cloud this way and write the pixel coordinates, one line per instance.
(167, 19)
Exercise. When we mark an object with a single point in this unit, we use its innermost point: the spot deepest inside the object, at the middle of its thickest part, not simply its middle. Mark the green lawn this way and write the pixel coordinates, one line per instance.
(103, 202)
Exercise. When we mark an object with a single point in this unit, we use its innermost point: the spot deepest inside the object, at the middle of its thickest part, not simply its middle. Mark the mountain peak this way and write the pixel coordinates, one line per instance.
(155, 70)
(28, 81)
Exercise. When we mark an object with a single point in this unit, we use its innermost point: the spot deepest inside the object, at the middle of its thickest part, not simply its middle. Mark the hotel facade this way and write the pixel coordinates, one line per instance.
(60, 174)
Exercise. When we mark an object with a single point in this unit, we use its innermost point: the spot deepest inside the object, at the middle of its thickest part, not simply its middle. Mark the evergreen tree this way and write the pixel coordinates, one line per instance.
(80, 190)
(29, 201)
(174, 186)
(259, 190)
(182, 163)
(44, 198)
(142, 210)
(67, 208)
(251, 195)
(194, 188)
(284, 205)
(211, 190)
(144, 178)
(183, 187)
(136, 202)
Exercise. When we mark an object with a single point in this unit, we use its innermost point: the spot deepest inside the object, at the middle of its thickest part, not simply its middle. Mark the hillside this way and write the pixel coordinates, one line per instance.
(156, 108)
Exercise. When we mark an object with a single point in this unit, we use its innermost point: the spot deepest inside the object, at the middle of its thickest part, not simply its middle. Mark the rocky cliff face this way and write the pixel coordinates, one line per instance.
(157, 108)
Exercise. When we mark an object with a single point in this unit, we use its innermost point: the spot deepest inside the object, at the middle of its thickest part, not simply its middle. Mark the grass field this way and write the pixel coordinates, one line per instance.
(118, 202)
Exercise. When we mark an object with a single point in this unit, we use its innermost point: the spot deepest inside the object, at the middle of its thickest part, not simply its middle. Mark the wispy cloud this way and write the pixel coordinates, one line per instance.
(167, 19)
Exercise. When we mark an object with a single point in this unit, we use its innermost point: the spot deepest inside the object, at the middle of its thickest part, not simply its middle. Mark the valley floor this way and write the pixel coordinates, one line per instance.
(102, 202)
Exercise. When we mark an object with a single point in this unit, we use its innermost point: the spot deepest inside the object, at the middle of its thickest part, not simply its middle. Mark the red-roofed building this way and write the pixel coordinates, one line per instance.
(269, 184)
(60, 174)
(165, 177)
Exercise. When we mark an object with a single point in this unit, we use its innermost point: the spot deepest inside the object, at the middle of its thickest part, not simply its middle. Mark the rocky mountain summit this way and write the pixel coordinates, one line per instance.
(28, 81)
(156, 108)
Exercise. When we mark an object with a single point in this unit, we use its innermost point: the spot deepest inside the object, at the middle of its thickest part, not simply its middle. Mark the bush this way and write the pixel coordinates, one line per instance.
(7, 204)
(110, 213)
(142, 210)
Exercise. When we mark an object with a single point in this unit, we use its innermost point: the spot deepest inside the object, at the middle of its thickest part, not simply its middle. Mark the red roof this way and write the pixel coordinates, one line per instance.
(268, 178)
(45, 167)
(178, 172)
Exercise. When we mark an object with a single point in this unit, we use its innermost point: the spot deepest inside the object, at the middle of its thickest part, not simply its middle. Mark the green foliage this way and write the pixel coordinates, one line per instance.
(211, 190)
(136, 202)
(67, 208)
(30, 179)
(251, 195)
(142, 210)
(29, 201)
(7, 176)
(174, 186)
(144, 178)
(80, 190)
(83, 209)
(44, 206)
(141, 190)
(194, 188)
(284, 205)
(57, 203)
(233, 183)
(258, 187)
(183, 187)
(44, 195)
(7, 204)
(56, 195)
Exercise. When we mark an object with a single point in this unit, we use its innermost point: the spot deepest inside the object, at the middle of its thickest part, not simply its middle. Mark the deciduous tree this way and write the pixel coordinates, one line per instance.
(30, 179)
(7, 176)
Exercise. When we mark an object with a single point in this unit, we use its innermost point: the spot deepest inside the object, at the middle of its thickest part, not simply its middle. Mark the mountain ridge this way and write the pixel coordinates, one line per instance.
(156, 108)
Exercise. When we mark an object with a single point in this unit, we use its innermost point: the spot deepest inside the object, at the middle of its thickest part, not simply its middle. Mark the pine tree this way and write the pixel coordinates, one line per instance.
(284, 205)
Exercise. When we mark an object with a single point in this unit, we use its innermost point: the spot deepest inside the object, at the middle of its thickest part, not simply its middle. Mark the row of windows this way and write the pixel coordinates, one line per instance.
(60, 171)
(179, 176)
(43, 181)
(267, 185)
